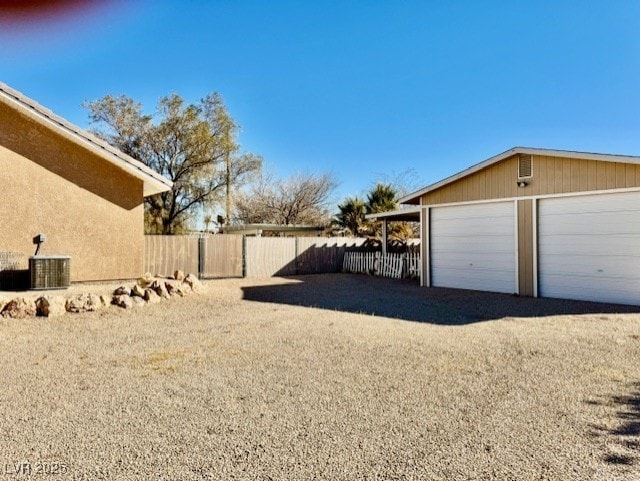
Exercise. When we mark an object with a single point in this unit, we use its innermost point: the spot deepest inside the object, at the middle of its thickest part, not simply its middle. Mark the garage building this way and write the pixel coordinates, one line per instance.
(534, 222)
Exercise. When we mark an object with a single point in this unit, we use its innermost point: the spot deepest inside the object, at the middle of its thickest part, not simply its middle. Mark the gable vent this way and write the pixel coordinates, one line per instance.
(525, 166)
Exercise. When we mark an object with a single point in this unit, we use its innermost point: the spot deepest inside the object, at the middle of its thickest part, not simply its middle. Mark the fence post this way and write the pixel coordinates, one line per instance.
(405, 266)
(244, 256)
(202, 255)
(296, 261)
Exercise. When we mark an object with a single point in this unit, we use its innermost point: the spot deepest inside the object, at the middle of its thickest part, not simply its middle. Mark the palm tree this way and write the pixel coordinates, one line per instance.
(352, 216)
(382, 198)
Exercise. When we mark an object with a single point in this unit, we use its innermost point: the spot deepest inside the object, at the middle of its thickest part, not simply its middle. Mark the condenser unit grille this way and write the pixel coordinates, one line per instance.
(50, 272)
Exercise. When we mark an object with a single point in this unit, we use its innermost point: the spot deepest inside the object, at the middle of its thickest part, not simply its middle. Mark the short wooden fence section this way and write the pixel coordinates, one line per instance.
(395, 266)
(164, 254)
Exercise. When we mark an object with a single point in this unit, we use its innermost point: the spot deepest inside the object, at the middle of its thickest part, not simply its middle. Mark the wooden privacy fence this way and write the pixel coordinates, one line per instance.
(221, 256)
(238, 256)
(270, 256)
(208, 256)
(395, 266)
(164, 254)
(319, 255)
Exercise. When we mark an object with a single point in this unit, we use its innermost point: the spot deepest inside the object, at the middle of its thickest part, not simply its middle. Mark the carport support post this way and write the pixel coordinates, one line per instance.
(384, 236)
(425, 274)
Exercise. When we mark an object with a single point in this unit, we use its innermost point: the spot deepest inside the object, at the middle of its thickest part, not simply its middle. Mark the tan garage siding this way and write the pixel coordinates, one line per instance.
(88, 208)
(525, 247)
(551, 175)
(608, 182)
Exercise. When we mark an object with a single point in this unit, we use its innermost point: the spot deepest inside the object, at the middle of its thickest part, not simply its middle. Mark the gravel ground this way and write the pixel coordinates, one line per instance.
(334, 377)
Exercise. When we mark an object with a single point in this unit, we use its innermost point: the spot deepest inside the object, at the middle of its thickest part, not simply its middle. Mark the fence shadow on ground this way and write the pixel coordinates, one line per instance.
(405, 299)
(623, 436)
(627, 433)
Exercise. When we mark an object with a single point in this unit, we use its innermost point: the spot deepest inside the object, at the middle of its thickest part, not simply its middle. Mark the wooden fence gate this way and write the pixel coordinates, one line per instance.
(221, 256)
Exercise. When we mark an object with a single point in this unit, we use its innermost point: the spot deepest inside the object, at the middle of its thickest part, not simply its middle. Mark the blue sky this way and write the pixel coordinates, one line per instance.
(358, 88)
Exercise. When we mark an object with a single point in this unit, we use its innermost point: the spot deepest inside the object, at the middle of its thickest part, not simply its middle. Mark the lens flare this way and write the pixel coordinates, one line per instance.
(25, 12)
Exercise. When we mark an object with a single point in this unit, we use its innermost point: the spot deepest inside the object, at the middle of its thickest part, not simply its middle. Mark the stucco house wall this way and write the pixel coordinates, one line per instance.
(88, 207)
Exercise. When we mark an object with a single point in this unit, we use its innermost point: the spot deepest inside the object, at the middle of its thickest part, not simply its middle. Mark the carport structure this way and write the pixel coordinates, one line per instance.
(533, 222)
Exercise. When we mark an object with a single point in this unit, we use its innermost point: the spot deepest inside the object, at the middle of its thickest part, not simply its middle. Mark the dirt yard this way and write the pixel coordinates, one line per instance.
(332, 377)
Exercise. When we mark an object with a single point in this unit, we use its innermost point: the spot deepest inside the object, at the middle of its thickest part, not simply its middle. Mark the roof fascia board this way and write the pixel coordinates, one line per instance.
(625, 159)
(392, 213)
(154, 183)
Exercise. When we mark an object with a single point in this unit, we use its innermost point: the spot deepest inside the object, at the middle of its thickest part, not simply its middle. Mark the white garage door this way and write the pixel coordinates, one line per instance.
(589, 247)
(473, 247)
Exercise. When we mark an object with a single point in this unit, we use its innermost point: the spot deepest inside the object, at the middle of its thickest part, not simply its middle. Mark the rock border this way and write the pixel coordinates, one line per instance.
(147, 290)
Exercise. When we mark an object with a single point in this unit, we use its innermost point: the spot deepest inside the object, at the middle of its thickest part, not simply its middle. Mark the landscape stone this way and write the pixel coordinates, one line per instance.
(145, 280)
(151, 297)
(138, 301)
(175, 289)
(137, 291)
(178, 275)
(160, 289)
(122, 300)
(122, 291)
(193, 282)
(19, 308)
(84, 303)
(50, 306)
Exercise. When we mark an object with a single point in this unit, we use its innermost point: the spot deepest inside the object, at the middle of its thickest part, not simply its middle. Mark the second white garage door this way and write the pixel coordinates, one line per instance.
(473, 247)
(589, 247)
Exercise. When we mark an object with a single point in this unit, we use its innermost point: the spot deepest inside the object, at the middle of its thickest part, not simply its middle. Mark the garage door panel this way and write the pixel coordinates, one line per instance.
(478, 281)
(457, 227)
(599, 267)
(473, 247)
(481, 231)
(589, 247)
(586, 288)
(590, 204)
(620, 223)
(592, 246)
(466, 260)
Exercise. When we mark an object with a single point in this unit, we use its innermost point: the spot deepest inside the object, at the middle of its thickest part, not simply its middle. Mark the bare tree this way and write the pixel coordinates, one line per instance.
(403, 182)
(302, 198)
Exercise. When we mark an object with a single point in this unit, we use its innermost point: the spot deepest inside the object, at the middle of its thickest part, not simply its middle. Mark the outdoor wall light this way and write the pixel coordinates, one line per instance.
(522, 183)
(39, 240)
